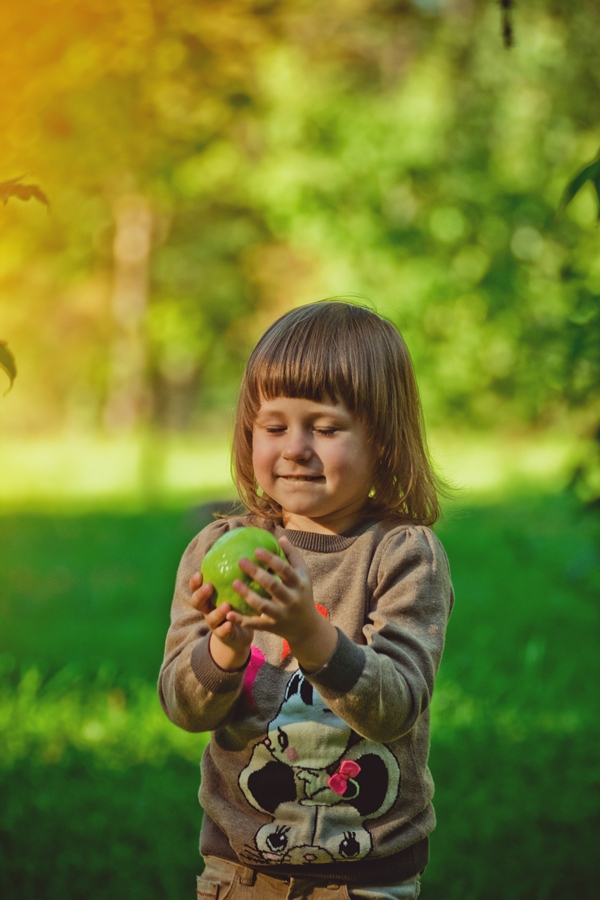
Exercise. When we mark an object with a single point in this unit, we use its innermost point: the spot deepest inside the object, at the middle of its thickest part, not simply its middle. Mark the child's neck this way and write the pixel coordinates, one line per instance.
(337, 523)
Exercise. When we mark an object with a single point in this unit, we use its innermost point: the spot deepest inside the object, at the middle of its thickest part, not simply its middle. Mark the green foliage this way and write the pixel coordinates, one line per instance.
(289, 151)
(99, 789)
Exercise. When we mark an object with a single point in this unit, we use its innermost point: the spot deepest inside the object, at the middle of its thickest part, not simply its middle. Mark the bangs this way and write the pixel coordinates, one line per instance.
(298, 369)
(320, 358)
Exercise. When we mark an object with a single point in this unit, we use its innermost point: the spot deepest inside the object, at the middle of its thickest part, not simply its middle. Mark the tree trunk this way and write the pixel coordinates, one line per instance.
(128, 398)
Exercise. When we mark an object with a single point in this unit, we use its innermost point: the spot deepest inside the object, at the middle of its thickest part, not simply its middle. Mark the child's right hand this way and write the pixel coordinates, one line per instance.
(229, 641)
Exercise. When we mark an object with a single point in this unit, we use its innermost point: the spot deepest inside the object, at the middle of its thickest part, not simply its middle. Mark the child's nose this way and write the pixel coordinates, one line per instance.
(297, 447)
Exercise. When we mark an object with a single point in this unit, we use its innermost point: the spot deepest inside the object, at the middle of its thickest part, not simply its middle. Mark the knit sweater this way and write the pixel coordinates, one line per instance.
(322, 773)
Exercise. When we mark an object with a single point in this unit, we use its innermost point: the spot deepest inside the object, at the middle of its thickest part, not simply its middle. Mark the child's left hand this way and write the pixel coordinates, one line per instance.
(290, 610)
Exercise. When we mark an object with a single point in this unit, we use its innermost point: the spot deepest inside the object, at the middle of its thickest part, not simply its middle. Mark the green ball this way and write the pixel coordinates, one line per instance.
(220, 566)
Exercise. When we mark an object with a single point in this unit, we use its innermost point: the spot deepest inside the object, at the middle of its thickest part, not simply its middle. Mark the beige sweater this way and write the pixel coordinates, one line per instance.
(323, 773)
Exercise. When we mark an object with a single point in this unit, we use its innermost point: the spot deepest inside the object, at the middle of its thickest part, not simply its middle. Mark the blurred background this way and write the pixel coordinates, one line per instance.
(209, 166)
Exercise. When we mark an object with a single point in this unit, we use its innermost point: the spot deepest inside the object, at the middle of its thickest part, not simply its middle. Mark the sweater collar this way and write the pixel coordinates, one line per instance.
(323, 543)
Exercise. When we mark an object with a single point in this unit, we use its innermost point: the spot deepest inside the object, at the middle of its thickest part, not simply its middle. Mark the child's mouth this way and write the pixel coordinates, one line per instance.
(302, 478)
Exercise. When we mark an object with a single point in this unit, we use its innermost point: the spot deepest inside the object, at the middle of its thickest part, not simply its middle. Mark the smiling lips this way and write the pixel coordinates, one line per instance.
(302, 477)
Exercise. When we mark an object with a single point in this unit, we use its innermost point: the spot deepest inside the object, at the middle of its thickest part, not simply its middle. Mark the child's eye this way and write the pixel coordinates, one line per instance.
(274, 429)
(326, 431)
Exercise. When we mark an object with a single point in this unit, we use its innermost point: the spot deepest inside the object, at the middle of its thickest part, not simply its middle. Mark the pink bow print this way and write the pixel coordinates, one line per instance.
(338, 782)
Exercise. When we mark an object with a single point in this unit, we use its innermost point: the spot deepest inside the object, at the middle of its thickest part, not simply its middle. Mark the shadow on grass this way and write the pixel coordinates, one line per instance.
(77, 830)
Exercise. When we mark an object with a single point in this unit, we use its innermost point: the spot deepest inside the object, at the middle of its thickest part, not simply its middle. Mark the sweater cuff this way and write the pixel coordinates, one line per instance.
(211, 676)
(343, 669)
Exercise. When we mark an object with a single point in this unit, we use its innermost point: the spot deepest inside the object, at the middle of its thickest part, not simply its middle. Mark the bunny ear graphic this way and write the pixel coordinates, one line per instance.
(7, 363)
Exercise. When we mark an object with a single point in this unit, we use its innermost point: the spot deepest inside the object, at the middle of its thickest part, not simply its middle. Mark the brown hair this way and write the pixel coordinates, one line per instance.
(340, 352)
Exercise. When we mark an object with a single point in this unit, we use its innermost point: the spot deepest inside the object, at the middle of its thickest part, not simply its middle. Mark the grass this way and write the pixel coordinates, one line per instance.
(98, 792)
(99, 789)
(514, 744)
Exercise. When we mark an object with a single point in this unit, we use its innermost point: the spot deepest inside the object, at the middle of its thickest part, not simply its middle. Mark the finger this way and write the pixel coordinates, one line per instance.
(201, 597)
(225, 630)
(223, 621)
(258, 623)
(293, 554)
(229, 631)
(195, 581)
(251, 597)
(268, 609)
(269, 582)
(276, 563)
(217, 616)
(294, 570)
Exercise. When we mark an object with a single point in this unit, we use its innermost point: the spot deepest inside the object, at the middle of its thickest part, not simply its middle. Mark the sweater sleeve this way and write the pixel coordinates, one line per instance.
(194, 692)
(382, 688)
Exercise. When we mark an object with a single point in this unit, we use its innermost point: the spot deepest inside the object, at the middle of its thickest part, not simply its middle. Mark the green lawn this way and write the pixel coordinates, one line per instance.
(99, 789)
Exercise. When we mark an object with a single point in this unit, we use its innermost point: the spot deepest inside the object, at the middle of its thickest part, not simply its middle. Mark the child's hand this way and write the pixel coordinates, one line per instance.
(229, 641)
(290, 610)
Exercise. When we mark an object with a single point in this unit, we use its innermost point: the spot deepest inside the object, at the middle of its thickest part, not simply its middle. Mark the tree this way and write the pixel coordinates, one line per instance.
(290, 150)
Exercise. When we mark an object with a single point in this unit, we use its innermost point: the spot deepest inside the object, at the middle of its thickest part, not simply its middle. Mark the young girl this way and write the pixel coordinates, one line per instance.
(315, 782)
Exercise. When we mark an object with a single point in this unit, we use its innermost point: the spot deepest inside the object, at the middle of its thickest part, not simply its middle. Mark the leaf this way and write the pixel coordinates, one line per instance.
(7, 362)
(589, 173)
(13, 188)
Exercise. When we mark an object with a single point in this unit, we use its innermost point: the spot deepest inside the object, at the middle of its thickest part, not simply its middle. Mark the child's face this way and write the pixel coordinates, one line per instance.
(315, 460)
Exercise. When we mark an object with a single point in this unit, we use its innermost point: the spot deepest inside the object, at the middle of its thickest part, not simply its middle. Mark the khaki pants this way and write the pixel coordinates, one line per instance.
(223, 880)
